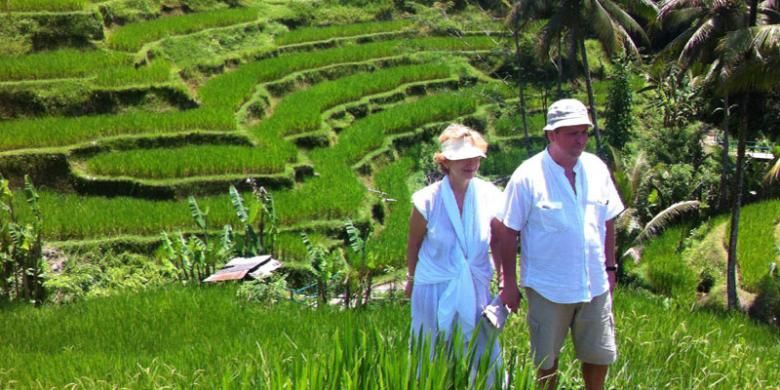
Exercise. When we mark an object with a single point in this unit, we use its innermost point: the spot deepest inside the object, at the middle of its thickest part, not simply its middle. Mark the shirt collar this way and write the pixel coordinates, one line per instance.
(557, 168)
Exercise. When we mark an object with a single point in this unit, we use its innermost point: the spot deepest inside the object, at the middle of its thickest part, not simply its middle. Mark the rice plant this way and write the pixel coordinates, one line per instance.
(299, 112)
(757, 248)
(73, 217)
(132, 37)
(193, 161)
(43, 5)
(369, 133)
(119, 76)
(57, 131)
(309, 34)
(64, 63)
(229, 89)
(177, 336)
(389, 246)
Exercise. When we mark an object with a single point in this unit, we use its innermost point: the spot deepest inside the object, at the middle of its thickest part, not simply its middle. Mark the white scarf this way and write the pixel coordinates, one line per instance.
(459, 297)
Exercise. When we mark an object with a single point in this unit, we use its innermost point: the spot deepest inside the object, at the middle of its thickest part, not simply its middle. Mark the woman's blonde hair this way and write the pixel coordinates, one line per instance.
(457, 131)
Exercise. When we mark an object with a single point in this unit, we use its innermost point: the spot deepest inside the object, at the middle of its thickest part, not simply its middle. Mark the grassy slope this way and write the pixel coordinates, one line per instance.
(756, 249)
(180, 336)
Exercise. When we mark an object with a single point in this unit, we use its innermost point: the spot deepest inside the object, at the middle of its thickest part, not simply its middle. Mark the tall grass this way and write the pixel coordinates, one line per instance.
(664, 266)
(132, 37)
(192, 161)
(300, 112)
(177, 337)
(64, 63)
(309, 34)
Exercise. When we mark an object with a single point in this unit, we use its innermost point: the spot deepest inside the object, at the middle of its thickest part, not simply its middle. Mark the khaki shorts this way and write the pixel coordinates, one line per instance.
(592, 327)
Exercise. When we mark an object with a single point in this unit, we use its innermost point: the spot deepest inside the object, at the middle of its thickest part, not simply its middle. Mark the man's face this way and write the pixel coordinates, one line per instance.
(570, 140)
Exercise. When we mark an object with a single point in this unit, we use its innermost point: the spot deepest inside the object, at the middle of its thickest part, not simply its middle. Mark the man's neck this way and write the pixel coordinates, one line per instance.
(567, 163)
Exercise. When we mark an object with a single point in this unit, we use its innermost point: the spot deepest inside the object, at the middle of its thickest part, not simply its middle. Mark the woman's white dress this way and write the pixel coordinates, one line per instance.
(454, 270)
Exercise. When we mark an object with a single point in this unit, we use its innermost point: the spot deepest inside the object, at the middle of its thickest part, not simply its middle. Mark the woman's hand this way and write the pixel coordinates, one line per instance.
(408, 288)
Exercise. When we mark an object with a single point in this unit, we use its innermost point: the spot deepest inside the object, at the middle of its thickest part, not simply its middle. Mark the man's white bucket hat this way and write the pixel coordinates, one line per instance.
(567, 112)
(460, 148)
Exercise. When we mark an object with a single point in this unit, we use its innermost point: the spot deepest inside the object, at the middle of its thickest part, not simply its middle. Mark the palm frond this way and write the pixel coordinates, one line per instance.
(662, 219)
(625, 21)
(646, 9)
(694, 44)
(602, 25)
(670, 6)
(550, 33)
(773, 174)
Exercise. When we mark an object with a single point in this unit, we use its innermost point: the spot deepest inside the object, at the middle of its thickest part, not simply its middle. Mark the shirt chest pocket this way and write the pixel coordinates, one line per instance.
(596, 210)
(551, 215)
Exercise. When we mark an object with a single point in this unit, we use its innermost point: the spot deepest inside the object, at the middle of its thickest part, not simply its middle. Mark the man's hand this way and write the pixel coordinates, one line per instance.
(511, 297)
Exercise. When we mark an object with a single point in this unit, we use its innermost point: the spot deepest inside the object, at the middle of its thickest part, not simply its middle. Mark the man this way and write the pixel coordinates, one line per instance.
(562, 203)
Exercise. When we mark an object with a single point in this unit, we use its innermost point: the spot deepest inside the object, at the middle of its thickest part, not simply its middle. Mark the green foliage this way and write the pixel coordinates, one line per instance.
(766, 307)
(133, 36)
(213, 48)
(619, 117)
(22, 265)
(100, 273)
(269, 291)
(326, 265)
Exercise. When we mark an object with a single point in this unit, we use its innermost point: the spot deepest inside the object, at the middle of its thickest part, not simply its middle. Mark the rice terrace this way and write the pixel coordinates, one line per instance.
(146, 143)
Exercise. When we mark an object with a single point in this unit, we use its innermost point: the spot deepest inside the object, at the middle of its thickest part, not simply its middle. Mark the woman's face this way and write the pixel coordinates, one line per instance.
(463, 169)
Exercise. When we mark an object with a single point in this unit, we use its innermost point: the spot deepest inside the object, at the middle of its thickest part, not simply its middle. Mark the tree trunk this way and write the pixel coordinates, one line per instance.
(560, 70)
(589, 86)
(521, 87)
(731, 270)
(724, 158)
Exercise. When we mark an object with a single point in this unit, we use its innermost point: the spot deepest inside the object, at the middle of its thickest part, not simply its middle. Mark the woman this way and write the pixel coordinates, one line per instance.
(449, 234)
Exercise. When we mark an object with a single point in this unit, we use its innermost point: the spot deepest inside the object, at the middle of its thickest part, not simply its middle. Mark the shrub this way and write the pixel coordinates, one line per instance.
(766, 307)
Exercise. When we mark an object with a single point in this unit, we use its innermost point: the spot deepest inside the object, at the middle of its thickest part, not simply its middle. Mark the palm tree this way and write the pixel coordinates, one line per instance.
(608, 21)
(738, 56)
(749, 62)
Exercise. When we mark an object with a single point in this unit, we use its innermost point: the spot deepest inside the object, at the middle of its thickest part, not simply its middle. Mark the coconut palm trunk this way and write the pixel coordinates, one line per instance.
(731, 263)
(724, 157)
(521, 85)
(731, 271)
(589, 87)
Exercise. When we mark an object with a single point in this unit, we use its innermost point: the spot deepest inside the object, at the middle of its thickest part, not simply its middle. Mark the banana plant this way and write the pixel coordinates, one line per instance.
(21, 247)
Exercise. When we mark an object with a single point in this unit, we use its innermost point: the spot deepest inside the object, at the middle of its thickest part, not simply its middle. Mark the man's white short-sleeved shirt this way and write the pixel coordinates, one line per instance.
(562, 232)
